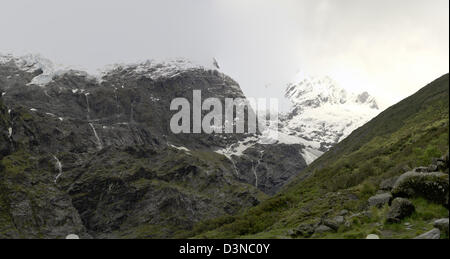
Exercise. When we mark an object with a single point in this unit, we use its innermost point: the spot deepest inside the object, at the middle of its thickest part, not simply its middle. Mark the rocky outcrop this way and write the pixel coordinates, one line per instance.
(400, 209)
(432, 186)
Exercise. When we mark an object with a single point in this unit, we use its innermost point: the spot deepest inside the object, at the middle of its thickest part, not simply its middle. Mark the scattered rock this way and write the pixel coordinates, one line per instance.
(380, 199)
(372, 236)
(400, 209)
(442, 225)
(343, 213)
(432, 234)
(352, 197)
(388, 184)
(367, 214)
(328, 212)
(339, 219)
(360, 215)
(322, 229)
(432, 186)
(304, 230)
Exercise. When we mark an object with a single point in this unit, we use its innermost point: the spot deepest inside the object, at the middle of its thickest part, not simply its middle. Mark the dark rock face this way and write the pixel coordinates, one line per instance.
(269, 167)
(400, 209)
(98, 159)
(5, 139)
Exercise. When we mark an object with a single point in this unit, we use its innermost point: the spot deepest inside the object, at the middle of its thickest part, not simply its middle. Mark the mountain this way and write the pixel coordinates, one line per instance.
(324, 113)
(349, 191)
(94, 155)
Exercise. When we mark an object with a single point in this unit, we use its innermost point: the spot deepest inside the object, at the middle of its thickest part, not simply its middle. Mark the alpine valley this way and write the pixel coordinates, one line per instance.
(94, 156)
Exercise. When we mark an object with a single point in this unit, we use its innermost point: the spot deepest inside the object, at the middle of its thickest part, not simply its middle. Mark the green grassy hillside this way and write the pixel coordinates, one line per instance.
(406, 135)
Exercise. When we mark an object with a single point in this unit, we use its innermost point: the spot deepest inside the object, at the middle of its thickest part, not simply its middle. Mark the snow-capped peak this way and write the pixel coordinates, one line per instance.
(32, 63)
(28, 63)
(157, 69)
(325, 113)
(154, 69)
(317, 91)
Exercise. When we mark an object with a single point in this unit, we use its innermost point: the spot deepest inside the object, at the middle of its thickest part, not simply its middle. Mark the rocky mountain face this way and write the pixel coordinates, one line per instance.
(94, 156)
(324, 113)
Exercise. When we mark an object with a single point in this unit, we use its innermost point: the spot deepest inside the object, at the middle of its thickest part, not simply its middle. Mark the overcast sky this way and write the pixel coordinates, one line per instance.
(389, 47)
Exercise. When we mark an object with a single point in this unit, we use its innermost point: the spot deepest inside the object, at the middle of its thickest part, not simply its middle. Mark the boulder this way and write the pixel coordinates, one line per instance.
(291, 233)
(72, 236)
(433, 168)
(441, 166)
(322, 229)
(442, 225)
(335, 222)
(432, 186)
(432, 234)
(380, 199)
(388, 184)
(347, 224)
(400, 209)
(372, 236)
(443, 163)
